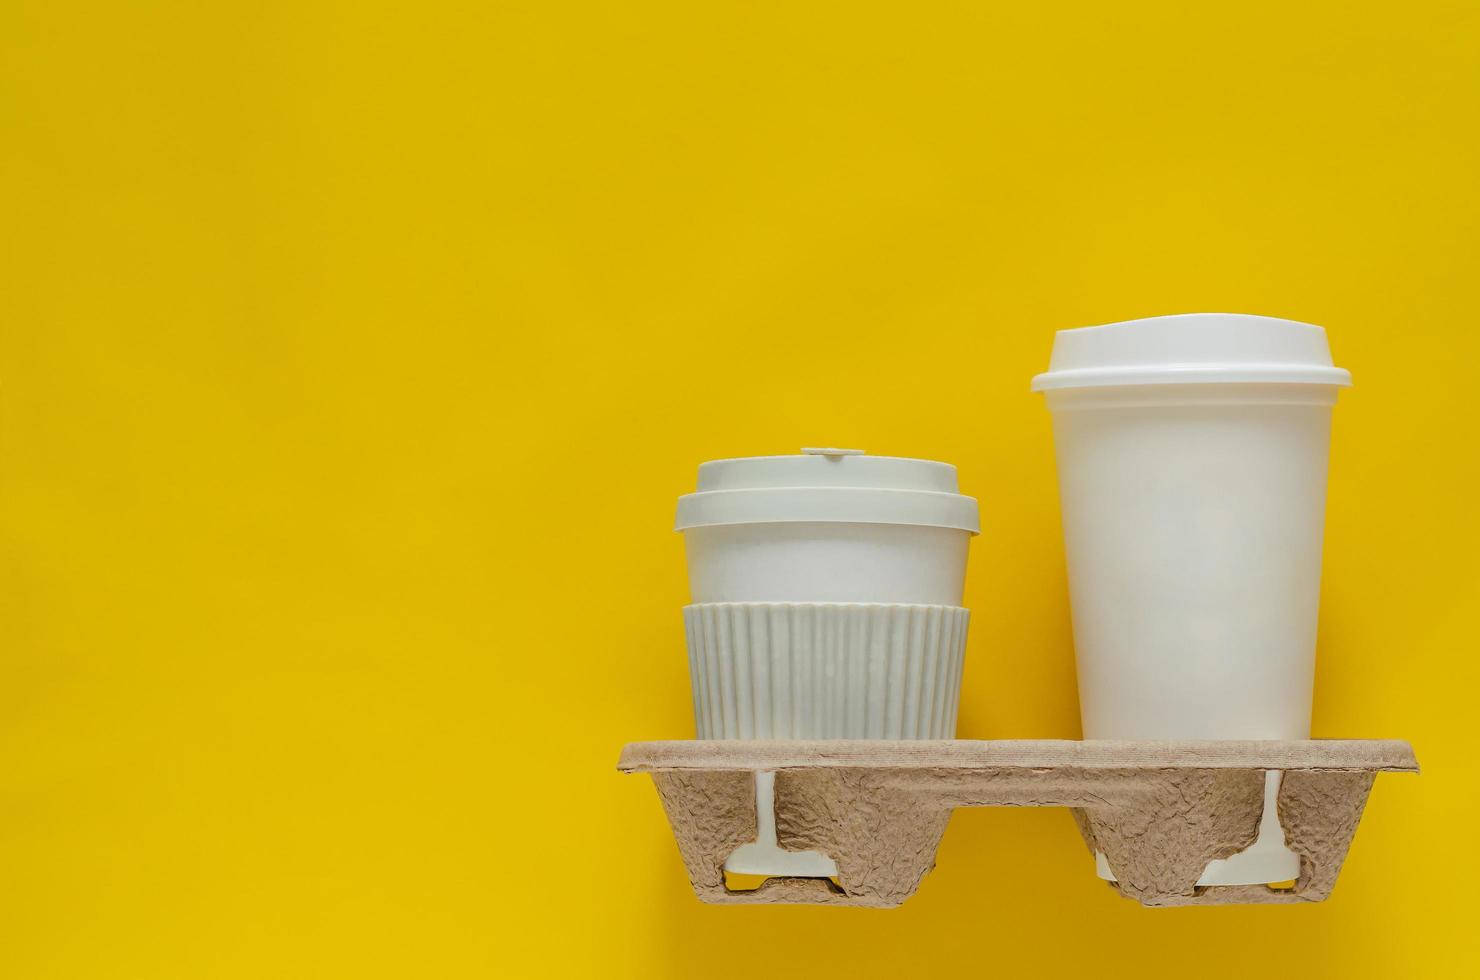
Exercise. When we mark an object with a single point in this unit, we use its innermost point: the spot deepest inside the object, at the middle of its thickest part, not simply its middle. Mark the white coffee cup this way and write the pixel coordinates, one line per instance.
(827, 595)
(1192, 455)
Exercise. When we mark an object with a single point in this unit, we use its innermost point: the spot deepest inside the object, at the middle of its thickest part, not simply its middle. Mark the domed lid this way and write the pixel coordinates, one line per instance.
(1191, 348)
(829, 486)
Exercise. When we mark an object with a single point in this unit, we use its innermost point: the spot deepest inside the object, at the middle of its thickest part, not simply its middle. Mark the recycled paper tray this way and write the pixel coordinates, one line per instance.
(1158, 811)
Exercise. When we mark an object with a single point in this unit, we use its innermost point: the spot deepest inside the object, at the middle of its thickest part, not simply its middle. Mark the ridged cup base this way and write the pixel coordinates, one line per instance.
(775, 670)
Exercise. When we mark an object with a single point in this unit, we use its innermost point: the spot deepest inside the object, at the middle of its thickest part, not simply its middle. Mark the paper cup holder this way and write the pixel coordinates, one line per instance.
(1158, 811)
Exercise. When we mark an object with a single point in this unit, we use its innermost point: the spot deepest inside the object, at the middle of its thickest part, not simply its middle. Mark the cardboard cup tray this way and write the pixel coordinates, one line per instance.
(1158, 811)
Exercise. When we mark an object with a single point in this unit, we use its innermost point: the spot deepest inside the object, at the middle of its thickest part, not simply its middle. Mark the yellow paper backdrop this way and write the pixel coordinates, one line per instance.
(354, 354)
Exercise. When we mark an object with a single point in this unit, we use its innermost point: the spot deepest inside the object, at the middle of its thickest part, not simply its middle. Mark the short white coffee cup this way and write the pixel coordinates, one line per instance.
(827, 590)
(1192, 454)
(826, 604)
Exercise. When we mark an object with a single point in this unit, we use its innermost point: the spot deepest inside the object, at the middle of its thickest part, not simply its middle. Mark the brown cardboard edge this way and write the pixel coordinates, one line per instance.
(1370, 755)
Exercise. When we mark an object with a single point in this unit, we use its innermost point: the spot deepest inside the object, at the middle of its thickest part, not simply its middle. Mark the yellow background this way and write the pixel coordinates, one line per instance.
(355, 353)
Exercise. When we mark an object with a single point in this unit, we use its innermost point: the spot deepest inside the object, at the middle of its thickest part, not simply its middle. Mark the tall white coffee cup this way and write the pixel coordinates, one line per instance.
(827, 595)
(1192, 456)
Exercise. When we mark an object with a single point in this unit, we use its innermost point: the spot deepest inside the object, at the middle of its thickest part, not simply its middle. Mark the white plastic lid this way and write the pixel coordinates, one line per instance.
(827, 486)
(1191, 348)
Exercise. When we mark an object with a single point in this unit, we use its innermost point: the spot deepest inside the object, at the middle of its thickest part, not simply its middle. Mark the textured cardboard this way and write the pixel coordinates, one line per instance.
(1159, 811)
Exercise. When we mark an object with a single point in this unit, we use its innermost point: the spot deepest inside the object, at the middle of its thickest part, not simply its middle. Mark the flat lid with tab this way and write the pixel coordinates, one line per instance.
(828, 485)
